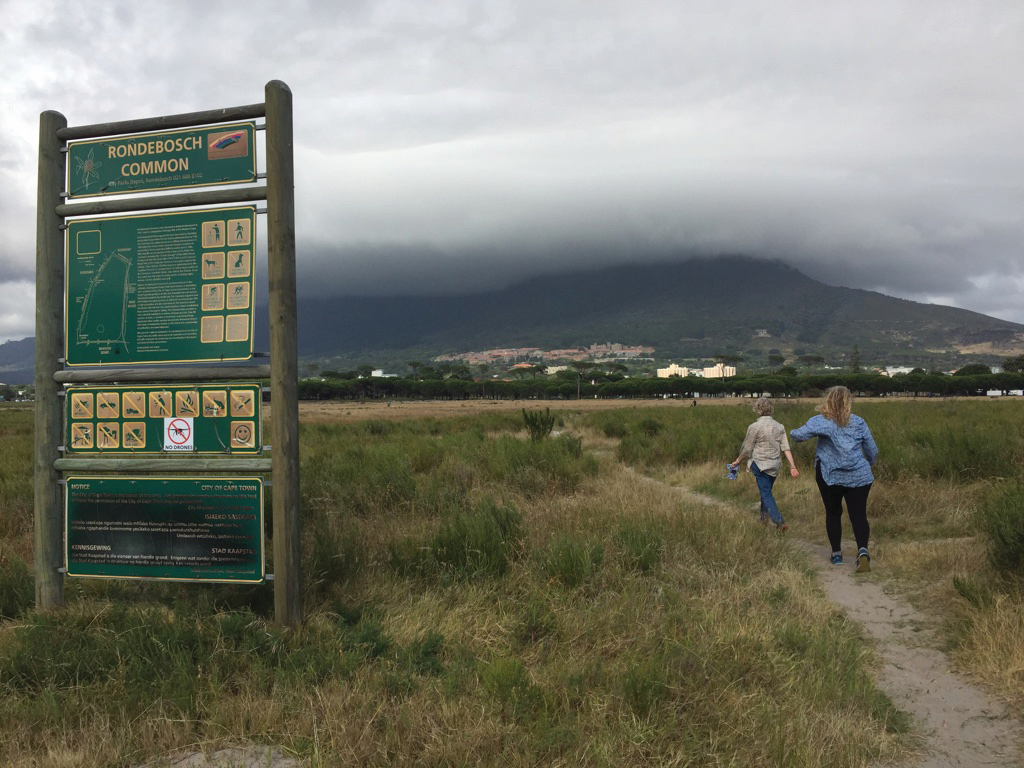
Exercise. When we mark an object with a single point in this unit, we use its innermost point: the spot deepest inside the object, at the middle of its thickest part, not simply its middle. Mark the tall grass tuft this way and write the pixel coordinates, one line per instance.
(16, 494)
(645, 684)
(641, 545)
(1003, 520)
(571, 561)
(17, 587)
(482, 541)
(478, 542)
(336, 555)
(508, 681)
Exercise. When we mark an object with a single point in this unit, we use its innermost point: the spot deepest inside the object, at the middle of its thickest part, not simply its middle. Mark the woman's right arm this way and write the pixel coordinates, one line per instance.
(806, 432)
(868, 444)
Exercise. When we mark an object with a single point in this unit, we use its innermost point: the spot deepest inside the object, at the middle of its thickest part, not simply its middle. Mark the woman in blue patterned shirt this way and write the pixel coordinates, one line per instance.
(845, 453)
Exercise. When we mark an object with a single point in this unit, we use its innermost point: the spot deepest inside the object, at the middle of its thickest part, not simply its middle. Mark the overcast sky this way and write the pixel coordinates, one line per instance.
(453, 145)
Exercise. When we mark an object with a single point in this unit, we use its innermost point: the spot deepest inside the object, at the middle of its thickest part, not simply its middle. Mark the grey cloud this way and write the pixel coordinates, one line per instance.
(453, 146)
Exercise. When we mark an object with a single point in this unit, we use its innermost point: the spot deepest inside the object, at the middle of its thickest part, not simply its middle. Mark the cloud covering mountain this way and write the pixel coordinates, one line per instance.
(456, 146)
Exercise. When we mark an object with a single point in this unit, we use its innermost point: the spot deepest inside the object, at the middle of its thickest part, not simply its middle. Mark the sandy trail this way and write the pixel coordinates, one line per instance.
(962, 724)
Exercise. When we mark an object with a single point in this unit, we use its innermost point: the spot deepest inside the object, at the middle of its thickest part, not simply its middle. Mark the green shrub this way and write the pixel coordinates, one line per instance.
(538, 424)
(17, 588)
(537, 622)
(411, 558)
(644, 685)
(977, 593)
(425, 654)
(368, 639)
(571, 561)
(482, 541)
(649, 426)
(1003, 518)
(509, 683)
(614, 429)
(337, 555)
(641, 546)
(573, 446)
(547, 467)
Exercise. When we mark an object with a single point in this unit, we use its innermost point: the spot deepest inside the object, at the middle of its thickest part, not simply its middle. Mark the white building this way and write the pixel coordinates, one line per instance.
(673, 370)
(719, 371)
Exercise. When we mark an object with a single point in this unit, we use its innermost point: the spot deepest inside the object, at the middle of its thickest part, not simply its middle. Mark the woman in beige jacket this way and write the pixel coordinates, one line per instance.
(765, 444)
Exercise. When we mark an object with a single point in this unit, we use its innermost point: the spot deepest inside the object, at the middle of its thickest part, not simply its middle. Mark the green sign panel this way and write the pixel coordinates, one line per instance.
(208, 528)
(223, 154)
(206, 418)
(160, 288)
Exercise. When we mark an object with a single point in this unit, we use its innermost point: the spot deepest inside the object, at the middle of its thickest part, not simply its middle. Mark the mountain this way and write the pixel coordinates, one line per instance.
(696, 308)
(693, 309)
(17, 362)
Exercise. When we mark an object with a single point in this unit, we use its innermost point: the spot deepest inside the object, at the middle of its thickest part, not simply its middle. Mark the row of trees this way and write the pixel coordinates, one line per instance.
(577, 383)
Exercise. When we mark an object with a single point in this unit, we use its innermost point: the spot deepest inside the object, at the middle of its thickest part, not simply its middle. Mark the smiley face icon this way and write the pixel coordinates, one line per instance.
(243, 434)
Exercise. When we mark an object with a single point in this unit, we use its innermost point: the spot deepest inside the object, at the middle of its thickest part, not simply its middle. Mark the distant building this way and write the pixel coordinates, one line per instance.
(719, 371)
(612, 351)
(673, 370)
(597, 352)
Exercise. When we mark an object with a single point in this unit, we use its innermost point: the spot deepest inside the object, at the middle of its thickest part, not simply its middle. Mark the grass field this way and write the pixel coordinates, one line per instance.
(475, 597)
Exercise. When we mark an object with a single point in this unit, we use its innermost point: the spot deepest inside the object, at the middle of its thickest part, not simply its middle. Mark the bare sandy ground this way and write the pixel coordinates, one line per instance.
(231, 757)
(963, 725)
(440, 409)
(320, 411)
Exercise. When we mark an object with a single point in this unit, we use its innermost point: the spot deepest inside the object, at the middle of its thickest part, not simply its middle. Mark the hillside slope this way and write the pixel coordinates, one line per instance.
(693, 309)
(698, 307)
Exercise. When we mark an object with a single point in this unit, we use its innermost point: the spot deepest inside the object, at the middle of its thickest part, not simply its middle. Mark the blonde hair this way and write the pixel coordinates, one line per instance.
(837, 405)
(763, 407)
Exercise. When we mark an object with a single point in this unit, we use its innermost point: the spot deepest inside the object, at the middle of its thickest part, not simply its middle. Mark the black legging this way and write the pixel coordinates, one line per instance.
(856, 507)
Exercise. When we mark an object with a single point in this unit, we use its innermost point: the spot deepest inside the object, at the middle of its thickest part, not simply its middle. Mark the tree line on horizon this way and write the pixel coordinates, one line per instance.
(590, 381)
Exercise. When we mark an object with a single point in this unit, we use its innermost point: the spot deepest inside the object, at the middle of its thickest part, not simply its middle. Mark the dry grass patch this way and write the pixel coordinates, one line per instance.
(992, 647)
(550, 609)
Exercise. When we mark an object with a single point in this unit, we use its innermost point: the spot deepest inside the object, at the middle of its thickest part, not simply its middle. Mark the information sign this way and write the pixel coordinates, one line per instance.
(160, 288)
(203, 418)
(184, 529)
(142, 162)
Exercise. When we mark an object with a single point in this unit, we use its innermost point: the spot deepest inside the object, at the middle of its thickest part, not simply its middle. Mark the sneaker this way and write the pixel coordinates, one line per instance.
(837, 559)
(863, 561)
(781, 527)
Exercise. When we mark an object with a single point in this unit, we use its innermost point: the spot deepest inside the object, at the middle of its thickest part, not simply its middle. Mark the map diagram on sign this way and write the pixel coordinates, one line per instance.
(105, 307)
(154, 288)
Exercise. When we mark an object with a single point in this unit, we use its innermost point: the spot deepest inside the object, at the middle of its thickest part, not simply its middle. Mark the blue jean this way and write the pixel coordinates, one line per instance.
(764, 486)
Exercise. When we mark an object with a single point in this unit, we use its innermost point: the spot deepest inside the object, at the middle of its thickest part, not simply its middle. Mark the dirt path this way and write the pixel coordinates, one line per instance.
(963, 726)
(250, 756)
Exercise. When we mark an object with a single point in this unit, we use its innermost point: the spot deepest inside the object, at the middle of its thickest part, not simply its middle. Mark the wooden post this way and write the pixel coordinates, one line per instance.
(49, 340)
(284, 381)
